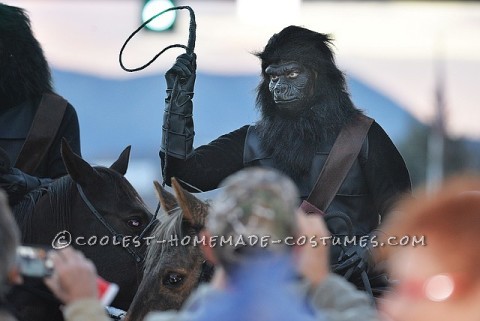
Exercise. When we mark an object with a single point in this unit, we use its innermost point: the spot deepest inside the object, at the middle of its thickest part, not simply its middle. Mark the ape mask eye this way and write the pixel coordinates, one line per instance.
(293, 74)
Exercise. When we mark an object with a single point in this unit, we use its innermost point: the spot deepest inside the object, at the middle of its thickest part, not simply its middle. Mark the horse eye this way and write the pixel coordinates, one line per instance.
(172, 279)
(134, 223)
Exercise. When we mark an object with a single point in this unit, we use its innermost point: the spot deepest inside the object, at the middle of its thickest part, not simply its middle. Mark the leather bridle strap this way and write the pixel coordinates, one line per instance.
(117, 236)
(150, 224)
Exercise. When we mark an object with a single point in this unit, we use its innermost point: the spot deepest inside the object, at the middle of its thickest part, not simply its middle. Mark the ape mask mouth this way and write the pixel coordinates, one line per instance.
(291, 108)
(285, 102)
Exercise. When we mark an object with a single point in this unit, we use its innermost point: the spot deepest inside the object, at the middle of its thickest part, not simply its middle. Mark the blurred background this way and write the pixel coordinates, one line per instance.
(413, 66)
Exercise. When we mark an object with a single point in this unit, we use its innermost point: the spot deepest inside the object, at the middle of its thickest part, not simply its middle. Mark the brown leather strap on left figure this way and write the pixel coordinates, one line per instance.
(44, 128)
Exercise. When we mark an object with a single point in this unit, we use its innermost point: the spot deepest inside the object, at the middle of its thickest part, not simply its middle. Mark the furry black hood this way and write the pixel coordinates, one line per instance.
(24, 71)
(292, 140)
(310, 48)
(313, 50)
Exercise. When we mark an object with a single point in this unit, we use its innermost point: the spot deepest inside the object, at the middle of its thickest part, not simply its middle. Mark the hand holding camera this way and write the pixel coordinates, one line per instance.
(68, 274)
(74, 276)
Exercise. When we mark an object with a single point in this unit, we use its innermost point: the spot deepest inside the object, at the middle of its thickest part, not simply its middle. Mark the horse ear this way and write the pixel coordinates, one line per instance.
(191, 206)
(121, 164)
(79, 170)
(167, 200)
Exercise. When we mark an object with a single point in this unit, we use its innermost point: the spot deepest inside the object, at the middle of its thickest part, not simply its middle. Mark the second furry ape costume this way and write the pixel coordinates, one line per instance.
(24, 78)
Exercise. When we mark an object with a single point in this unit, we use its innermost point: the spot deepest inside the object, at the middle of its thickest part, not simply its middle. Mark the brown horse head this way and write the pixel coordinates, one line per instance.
(174, 265)
(113, 208)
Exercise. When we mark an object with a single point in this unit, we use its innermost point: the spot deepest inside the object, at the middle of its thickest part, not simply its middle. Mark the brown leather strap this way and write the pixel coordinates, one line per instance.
(345, 150)
(44, 128)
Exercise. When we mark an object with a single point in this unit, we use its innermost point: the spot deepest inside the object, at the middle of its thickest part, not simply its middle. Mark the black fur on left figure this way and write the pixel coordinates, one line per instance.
(24, 71)
(291, 138)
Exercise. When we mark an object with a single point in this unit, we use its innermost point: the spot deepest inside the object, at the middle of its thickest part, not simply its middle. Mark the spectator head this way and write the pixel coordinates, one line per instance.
(253, 203)
(439, 280)
(9, 240)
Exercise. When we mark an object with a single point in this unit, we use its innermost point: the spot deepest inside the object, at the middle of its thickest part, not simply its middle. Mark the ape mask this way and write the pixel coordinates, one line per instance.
(307, 75)
(291, 84)
(303, 98)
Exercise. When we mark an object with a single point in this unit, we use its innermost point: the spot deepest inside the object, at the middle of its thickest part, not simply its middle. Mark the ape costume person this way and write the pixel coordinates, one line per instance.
(304, 104)
(25, 84)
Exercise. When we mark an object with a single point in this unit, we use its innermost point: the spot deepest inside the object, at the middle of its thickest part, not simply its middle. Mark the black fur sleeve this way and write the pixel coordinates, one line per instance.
(210, 163)
(385, 170)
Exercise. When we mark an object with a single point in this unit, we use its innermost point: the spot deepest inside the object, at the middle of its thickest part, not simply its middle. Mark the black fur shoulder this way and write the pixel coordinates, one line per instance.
(24, 70)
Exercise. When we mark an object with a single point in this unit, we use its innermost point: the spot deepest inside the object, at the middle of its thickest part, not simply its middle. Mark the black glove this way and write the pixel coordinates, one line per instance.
(177, 141)
(17, 184)
(357, 265)
(355, 259)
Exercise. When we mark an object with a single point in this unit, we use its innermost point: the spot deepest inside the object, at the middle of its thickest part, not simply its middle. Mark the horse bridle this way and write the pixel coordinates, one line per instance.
(138, 257)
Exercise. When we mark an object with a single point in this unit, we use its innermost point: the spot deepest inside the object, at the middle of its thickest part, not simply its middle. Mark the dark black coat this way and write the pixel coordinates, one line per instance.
(15, 122)
(382, 175)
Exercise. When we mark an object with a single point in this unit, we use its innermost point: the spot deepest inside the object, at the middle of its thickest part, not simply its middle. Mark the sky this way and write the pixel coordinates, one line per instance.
(393, 46)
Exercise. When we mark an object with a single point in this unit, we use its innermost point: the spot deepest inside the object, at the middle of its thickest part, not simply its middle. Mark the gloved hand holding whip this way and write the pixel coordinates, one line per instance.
(177, 130)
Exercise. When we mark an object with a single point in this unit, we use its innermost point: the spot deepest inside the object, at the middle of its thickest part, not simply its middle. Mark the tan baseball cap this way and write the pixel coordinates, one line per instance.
(254, 204)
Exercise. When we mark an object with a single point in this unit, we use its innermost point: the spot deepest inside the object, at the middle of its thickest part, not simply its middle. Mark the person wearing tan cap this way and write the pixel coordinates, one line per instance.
(260, 273)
